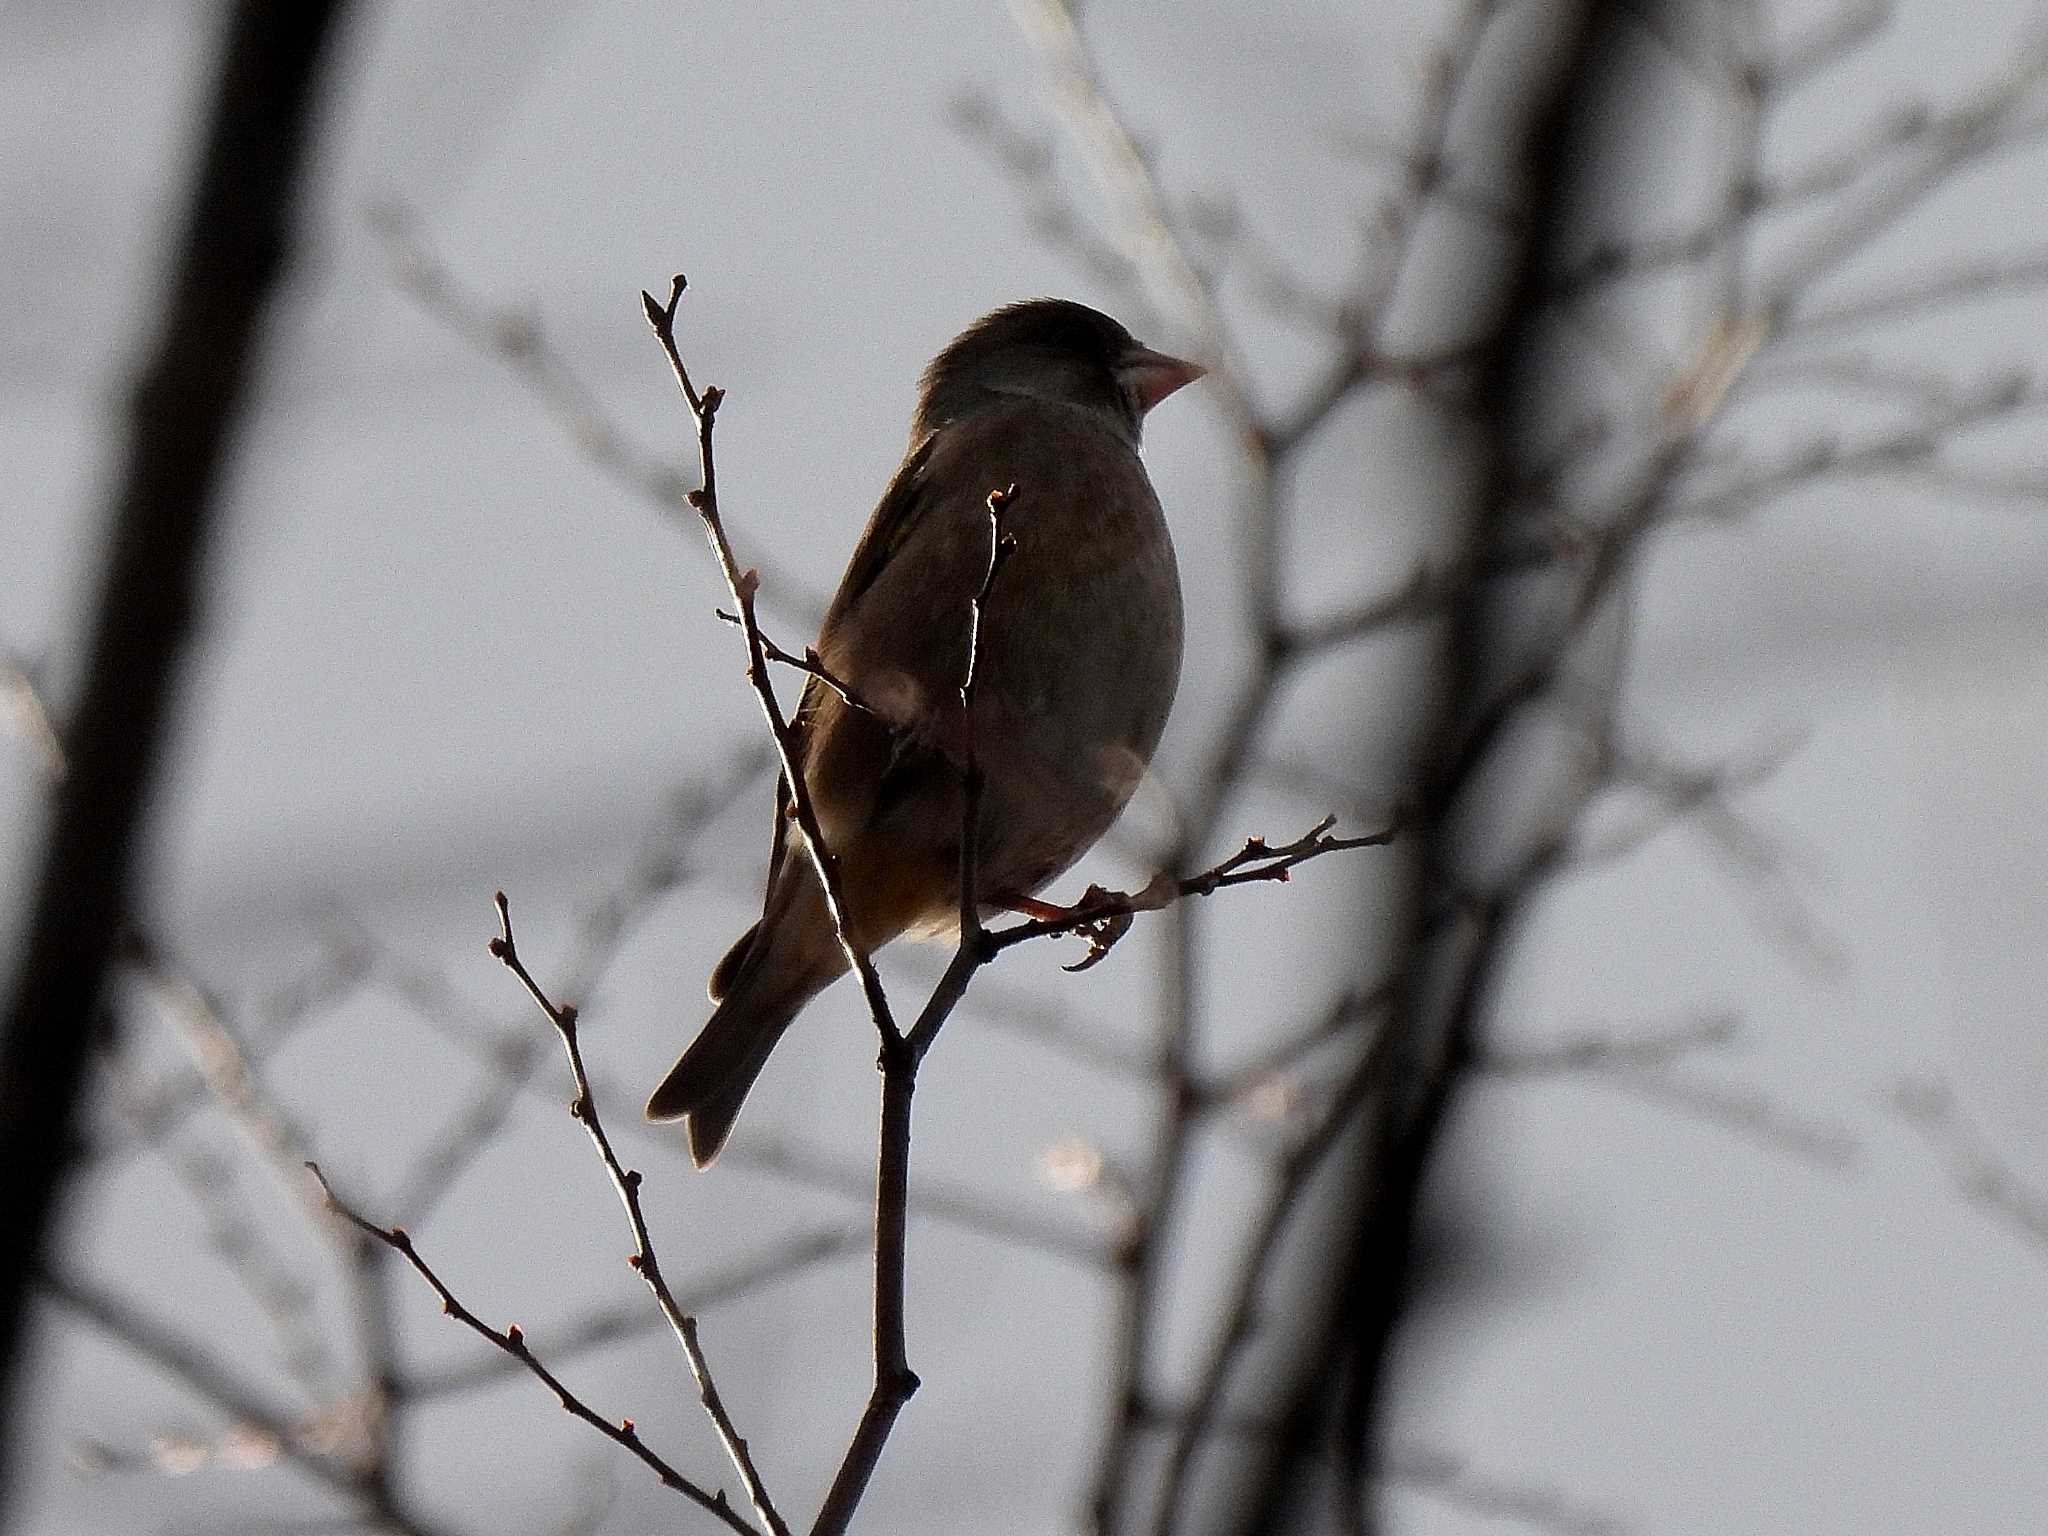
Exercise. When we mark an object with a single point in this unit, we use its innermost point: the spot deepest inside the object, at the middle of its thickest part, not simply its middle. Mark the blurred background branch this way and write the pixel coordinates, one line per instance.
(181, 425)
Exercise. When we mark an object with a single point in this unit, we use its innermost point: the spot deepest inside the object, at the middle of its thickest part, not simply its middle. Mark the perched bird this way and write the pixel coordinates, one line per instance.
(1079, 657)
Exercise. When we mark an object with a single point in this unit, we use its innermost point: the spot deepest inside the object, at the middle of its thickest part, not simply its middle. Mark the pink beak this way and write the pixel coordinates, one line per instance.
(1155, 375)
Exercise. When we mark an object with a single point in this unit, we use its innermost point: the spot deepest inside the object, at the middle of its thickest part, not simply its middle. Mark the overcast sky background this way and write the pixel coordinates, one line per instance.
(445, 655)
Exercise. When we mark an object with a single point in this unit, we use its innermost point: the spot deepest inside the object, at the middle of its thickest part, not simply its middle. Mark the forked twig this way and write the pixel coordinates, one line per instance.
(1103, 917)
(627, 1182)
(513, 1342)
(810, 664)
(742, 585)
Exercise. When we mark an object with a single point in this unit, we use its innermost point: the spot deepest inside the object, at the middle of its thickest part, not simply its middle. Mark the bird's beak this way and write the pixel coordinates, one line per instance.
(1152, 376)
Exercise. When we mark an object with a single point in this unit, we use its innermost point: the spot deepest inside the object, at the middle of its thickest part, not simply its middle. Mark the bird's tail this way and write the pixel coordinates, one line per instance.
(776, 967)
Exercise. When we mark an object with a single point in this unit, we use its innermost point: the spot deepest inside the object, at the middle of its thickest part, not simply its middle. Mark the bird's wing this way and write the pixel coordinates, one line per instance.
(888, 527)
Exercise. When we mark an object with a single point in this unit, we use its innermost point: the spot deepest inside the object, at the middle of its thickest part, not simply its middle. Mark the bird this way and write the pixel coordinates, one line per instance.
(1078, 660)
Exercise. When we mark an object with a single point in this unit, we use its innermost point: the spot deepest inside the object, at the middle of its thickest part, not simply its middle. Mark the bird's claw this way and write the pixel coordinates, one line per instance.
(1102, 932)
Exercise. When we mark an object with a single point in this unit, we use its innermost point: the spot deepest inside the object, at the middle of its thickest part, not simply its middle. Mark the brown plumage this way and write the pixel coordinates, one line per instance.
(1080, 657)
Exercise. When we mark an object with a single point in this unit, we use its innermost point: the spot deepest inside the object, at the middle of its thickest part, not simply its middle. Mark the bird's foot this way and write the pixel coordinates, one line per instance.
(1101, 931)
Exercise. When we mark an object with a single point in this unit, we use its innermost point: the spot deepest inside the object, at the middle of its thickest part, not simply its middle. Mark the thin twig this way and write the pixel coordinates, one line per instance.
(1645, 1064)
(1448, 1476)
(232, 1231)
(1302, 1161)
(1103, 916)
(1980, 1172)
(270, 1021)
(513, 1342)
(512, 1055)
(1591, 1048)
(626, 1181)
(198, 1366)
(949, 1202)
(223, 1058)
(894, 1381)
(611, 1324)
(1990, 122)
(810, 664)
(232, 1073)
(1346, 1012)
(1909, 298)
(742, 586)
(520, 340)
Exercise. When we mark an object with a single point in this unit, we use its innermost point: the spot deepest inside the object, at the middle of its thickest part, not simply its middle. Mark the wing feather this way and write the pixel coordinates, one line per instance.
(888, 527)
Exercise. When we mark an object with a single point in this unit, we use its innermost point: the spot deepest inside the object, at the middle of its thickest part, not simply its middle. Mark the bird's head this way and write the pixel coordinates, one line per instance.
(1049, 349)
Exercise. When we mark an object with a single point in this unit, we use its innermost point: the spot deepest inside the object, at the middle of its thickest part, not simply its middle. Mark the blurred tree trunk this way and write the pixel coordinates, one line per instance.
(1366, 1263)
(181, 425)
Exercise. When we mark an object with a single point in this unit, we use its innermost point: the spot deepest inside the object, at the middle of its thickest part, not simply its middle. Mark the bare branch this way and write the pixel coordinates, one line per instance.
(1427, 592)
(1874, 178)
(200, 1369)
(1026, 160)
(1677, 31)
(517, 338)
(1450, 1477)
(159, 1111)
(513, 1056)
(951, 1203)
(1457, 921)
(170, 450)
(810, 665)
(1908, 298)
(1345, 1013)
(276, 1285)
(231, 1073)
(513, 1342)
(894, 1381)
(1103, 917)
(608, 1325)
(224, 1061)
(1830, 42)
(1139, 221)
(1644, 1070)
(742, 586)
(1592, 1048)
(1928, 389)
(1302, 1161)
(1905, 448)
(1988, 124)
(2028, 487)
(626, 1181)
(1979, 1172)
